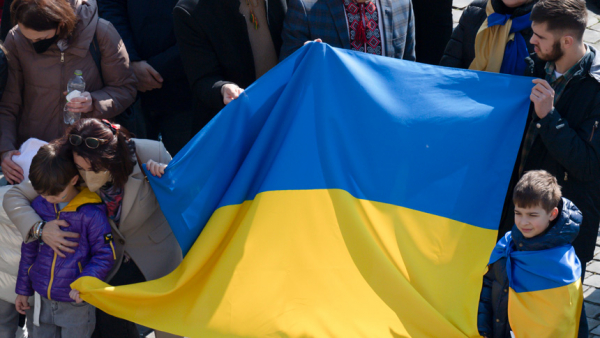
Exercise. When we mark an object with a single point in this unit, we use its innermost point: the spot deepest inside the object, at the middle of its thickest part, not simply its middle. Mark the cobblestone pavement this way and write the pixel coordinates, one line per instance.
(591, 293)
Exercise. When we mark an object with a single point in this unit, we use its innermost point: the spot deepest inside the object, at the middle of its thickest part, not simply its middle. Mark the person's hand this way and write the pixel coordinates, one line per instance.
(56, 238)
(74, 294)
(148, 77)
(12, 171)
(21, 304)
(542, 96)
(155, 168)
(315, 40)
(81, 104)
(230, 92)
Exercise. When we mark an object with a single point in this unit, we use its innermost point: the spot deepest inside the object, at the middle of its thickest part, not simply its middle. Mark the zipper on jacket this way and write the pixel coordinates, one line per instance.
(53, 260)
(62, 99)
(593, 130)
(51, 276)
(113, 250)
(80, 268)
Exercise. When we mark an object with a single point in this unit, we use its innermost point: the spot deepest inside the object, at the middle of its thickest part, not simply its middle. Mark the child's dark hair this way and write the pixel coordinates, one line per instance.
(537, 188)
(51, 170)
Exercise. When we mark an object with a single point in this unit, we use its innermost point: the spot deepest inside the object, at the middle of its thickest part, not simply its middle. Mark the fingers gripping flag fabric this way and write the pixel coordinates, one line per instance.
(342, 195)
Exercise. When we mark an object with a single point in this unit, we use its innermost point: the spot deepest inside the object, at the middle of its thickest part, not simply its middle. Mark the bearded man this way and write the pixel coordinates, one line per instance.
(562, 134)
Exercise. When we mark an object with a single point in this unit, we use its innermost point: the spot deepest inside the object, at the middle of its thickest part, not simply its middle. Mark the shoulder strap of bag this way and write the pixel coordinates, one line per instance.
(139, 162)
(96, 54)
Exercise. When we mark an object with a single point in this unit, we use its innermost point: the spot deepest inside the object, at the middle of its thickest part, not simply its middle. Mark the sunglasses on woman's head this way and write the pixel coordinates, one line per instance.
(90, 142)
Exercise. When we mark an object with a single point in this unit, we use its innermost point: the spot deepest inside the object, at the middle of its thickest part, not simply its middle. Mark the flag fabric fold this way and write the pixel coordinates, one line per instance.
(545, 294)
(341, 195)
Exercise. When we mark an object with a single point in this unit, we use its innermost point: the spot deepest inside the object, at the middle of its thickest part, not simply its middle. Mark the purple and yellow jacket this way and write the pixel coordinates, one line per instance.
(43, 271)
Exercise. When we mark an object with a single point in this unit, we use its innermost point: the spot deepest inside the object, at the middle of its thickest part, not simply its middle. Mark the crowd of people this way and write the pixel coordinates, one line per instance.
(171, 66)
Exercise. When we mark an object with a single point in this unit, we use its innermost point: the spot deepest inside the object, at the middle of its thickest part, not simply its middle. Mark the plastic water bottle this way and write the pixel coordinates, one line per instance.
(75, 87)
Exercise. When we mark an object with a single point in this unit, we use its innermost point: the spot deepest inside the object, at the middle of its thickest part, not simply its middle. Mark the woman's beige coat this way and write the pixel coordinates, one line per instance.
(143, 231)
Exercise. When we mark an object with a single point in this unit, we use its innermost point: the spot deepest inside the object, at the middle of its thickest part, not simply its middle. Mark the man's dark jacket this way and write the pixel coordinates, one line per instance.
(568, 147)
(146, 27)
(433, 28)
(460, 51)
(213, 38)
(492, 316)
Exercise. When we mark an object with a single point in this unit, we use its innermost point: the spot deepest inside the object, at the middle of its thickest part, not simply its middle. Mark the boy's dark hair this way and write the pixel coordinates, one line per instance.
(51, 170)
(561, 15)
(537, 188)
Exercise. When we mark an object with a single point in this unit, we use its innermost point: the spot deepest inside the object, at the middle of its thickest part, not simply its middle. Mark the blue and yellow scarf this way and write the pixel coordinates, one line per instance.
(499, 45)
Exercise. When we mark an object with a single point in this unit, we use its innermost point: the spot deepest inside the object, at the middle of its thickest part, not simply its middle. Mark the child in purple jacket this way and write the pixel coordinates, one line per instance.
(54, 176)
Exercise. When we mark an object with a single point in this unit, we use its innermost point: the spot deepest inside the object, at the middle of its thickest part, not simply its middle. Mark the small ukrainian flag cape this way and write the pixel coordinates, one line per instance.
(342, 195)
(545, 295)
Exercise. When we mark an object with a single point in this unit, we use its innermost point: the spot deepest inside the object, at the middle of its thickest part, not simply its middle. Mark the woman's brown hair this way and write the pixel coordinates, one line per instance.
(117, 155)
(42, 15)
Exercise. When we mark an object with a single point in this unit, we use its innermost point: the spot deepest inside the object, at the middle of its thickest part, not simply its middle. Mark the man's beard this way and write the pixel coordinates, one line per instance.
(554, 55)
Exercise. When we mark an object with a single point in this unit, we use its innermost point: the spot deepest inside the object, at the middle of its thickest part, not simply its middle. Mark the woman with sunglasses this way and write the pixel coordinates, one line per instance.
(109, 161)
(51, 40)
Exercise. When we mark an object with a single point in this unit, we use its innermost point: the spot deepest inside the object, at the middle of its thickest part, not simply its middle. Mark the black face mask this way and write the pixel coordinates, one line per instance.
(43, 45)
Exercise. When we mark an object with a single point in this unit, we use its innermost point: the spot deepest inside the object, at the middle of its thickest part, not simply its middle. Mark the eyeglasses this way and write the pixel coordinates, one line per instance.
(90, 142)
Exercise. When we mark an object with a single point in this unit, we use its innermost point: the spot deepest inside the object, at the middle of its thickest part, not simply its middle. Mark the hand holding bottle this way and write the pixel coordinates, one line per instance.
(78, 100)
(81, 103)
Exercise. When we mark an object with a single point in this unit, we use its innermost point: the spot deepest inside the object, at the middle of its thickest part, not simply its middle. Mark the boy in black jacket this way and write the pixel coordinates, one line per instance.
(545, 226)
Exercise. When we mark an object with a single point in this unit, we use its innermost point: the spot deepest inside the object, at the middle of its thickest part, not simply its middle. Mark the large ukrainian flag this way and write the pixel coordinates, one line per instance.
(342, 195)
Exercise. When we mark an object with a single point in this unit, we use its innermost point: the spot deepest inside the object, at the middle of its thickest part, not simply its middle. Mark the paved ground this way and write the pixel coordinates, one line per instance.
(591, 292)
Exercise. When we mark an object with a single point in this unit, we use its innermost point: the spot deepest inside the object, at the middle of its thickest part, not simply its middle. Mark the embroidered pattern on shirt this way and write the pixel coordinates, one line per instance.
(363, 25)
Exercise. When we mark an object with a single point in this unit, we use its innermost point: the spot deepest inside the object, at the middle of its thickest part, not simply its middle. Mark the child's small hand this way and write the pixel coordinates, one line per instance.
(155, 168)
(21, 304)
(74, 294)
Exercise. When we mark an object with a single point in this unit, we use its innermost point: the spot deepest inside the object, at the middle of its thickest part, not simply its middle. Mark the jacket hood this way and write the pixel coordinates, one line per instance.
(564, 231)
(590, 64)
(87, 15)
(84, 197)
(85, 28)
(595, 67)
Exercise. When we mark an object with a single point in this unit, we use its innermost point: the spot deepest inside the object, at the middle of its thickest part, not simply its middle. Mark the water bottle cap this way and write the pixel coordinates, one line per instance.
(78, 73)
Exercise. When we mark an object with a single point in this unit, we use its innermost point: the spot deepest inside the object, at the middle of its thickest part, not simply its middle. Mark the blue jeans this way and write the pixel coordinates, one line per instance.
(9, 319)
(65, 320)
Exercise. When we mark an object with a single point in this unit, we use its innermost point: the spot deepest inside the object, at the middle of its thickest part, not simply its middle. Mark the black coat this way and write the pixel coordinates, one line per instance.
(433, 28)
(215, 48)
(5, 24)
(492, 316)
(146, 27)
(460, 51)
(568, 147)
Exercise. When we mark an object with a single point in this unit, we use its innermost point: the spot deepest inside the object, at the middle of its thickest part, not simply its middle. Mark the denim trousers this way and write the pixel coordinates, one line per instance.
(65, 320)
